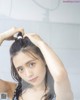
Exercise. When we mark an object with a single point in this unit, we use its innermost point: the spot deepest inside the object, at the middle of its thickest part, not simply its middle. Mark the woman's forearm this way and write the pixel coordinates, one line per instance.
(55, 65)
(6, 34)
(62, 85)
(9, 34)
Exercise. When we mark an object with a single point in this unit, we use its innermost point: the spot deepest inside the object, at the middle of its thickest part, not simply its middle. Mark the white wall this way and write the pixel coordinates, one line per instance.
(63, 38)
(44, 10)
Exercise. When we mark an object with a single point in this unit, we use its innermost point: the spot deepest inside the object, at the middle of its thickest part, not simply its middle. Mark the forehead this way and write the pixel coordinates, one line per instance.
(22, 58)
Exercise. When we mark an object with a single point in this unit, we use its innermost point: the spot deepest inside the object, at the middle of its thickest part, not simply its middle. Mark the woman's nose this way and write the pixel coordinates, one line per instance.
(28, 72)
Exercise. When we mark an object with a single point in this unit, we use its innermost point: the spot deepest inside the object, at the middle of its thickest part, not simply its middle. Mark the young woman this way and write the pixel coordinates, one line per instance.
(38, 70)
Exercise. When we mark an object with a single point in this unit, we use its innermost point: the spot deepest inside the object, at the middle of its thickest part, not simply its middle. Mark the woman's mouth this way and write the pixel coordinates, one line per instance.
(33, 79)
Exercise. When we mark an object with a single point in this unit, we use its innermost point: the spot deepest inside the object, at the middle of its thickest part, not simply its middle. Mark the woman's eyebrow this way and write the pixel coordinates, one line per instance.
(19, 67)
(30, 61)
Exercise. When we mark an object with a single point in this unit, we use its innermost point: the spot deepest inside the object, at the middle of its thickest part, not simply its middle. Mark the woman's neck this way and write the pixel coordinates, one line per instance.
(39, 87)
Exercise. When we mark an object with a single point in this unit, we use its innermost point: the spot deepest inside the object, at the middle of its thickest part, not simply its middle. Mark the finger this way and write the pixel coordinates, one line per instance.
(29, 34)
(14, 35)
(20, 30)
(25, 35)
(11, 38)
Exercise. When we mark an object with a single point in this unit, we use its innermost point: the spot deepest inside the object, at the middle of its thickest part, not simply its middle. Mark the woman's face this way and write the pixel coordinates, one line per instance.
(31, 69)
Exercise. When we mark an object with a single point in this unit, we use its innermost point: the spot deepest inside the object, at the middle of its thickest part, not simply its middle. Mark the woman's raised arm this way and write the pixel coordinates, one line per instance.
(61, 81)
(8, 35)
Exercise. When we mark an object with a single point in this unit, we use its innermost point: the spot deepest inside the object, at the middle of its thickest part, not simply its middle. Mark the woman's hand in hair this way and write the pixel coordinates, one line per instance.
(35, 38)
(9, 34)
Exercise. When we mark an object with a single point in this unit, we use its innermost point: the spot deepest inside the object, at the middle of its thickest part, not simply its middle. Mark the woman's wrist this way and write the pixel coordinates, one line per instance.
(41, 44)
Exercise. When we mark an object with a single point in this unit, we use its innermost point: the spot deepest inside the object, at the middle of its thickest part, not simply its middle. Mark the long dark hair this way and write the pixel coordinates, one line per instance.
(25, 45)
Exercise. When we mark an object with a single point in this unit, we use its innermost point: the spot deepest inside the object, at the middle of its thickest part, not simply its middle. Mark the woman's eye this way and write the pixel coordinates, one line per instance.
(20, 70)
(31, 64)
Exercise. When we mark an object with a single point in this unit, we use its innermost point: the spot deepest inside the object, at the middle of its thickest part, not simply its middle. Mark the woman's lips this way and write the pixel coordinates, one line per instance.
(33, 79)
